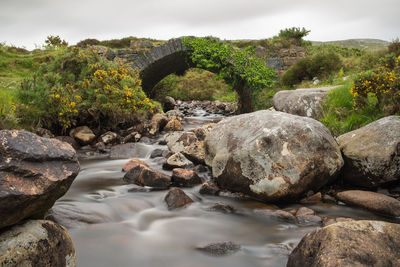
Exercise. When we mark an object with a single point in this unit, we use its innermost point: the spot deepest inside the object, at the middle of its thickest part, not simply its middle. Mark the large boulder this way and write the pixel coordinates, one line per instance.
(372, 201)
(37, 243)
(34, 172)
(143, 175)
(272, 155)
(302, 102)
(372, 153)
(157, 123)
(352, 243)
(168, 103)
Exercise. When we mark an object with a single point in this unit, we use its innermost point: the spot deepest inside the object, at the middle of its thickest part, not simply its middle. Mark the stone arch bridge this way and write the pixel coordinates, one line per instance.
(172, 57)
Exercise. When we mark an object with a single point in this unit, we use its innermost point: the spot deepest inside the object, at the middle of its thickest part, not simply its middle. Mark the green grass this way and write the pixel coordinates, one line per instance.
(339, 115)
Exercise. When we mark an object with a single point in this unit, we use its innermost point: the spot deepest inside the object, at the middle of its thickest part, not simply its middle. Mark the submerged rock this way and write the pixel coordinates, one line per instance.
(372, 153)
(272, 156)
(372, 201)
(352, 243)
(34, 172)
(177, 198)
(37, 243)
(220, 249)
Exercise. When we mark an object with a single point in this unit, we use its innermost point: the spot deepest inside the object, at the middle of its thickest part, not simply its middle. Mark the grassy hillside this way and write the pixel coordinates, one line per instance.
(364, 44)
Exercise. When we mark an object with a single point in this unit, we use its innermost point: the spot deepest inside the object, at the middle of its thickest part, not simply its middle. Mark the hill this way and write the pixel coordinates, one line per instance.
(364, 44)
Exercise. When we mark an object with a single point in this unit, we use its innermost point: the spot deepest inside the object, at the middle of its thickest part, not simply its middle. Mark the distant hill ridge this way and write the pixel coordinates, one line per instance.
(367, 44)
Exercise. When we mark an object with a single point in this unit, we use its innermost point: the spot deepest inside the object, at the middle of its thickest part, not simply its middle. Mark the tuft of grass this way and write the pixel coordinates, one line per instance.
(338, 113)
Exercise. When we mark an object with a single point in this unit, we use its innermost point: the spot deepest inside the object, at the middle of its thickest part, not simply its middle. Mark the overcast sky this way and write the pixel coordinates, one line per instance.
(28, 22)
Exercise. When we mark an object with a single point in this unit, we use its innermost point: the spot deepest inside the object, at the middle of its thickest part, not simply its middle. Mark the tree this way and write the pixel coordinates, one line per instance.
(55, 41)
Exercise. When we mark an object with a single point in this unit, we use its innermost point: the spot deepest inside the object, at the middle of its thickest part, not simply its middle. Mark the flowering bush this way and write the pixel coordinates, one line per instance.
(80, 87)
(382, 84)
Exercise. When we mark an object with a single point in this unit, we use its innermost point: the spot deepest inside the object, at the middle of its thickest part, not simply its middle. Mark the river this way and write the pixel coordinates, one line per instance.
(117, 224)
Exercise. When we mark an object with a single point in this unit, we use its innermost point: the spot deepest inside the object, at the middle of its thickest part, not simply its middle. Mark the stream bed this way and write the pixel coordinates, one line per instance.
(113, 223)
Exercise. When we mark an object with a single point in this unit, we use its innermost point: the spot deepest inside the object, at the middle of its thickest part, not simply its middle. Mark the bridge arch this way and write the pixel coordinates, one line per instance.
(172, 57)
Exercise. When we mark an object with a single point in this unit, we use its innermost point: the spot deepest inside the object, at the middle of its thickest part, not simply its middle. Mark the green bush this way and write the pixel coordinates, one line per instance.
(55, 41)
(319, 65)
(294, 33)
(88, 42)
(79, 87)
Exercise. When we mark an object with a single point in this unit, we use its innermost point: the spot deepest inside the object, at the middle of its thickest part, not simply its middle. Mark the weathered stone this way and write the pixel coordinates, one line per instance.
(209, 188)
(70, 140)
(328, 199)
(83, 135)
(261, 51)
(353, 243)
(156, 153)
(279, 215)
(176, 198)
(37, 243)
(177, 160)
(303, 211)
(168, 103)
(302, 102)
(174, 115)
(195, 152)
(220, 249)
(132, 138)
(372, 201)
(108, 138)
(222, 207)
(372, 153)
(185, 178)
(312, 199)
(34, 172)
(330, 221)
(144, 176)
(158, 122)
(133, 163)
(44, 133)
(173, 125)
(272, 156)
(177, 142)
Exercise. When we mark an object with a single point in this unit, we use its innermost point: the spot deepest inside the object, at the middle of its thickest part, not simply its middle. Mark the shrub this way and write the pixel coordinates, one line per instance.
(383, 84)
(319, 65)
(55, 41)
(88, 42)
(79, 87)
(294, 33)
(394, 47)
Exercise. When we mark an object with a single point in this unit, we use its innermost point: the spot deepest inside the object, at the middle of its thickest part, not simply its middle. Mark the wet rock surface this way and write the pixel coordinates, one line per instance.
(272, 155)
(142, 175)
(220, 249)
(372, 201)
(37, 243)
(177, 198)
(353, 243)
(34, 172)
(372, 153)
(185, 178)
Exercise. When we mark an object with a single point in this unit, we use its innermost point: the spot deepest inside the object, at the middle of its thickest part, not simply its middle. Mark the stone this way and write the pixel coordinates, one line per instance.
(133, 163)
(279, 215)
(37, 243)
(220, 249)
(132, 138)
(34, 172)
(302, 102)
(328, 199)
(156, 153)
(272, 156)
(261, 51)
(177, 141)
(44, 133)
(209, 188)
(372, 153)
(312, 199)
(330, 221)
(168, 103)
(184, 178)
(222, 207)
(143, 175)
(195, 152)
(173, 125)
(304, 211)
(177, 160)
(108, 138)
(177, 198)
(371, 201)
(352, 243)
(158, 122)
(174, 115)
(83, 135)
(70, 140)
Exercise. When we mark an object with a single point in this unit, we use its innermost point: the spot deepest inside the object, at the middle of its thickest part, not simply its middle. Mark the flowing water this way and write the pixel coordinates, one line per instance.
(117, 224)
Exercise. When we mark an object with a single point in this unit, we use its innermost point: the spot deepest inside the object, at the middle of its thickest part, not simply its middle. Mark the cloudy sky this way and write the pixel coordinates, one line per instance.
(28, 22)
